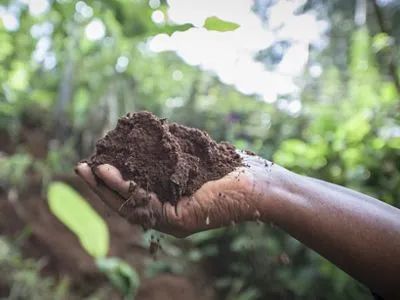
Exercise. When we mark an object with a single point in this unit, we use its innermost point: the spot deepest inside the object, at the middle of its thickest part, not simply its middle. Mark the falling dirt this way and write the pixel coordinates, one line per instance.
(168, 159)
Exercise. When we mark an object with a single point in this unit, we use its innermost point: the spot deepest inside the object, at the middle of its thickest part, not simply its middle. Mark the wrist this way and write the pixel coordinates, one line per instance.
(273, 188)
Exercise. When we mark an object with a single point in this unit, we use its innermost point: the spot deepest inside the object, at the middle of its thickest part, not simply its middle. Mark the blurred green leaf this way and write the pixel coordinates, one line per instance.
(72, 210)
(205, 236)
(217, 24)
(120, 274)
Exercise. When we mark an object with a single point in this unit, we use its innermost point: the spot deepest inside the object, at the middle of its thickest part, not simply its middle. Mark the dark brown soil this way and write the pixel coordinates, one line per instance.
(168, 159)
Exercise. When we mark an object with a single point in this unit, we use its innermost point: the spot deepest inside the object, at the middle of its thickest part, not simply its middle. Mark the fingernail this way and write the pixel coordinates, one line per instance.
(77, 169)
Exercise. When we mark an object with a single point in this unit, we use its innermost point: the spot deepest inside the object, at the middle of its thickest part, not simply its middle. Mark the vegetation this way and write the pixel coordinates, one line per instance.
(62, 89)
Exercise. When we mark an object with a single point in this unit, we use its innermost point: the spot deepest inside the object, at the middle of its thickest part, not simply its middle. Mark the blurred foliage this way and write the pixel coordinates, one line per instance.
(21, 276)
(75, 213)
(121, 275)
(13, 168)
(347, 130)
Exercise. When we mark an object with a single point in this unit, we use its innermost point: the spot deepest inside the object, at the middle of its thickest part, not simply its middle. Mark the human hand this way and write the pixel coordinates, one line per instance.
(235, 198)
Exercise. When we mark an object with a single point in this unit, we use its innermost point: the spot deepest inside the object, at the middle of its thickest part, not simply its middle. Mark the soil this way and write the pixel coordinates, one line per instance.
(168, 159)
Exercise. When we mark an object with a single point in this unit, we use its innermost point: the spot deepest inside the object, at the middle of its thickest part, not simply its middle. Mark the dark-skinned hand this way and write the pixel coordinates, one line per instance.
(232, 199)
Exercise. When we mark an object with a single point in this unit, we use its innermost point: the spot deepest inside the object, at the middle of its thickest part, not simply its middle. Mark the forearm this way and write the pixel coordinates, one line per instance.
(359, 234)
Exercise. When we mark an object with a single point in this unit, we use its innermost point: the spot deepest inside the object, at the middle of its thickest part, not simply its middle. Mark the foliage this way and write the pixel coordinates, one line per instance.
(21, 276)
(80, 218)
(121, 275)
(346, 132)
(13, 168)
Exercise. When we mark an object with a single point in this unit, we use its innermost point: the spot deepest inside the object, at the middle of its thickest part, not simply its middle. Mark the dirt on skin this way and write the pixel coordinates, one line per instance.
(168, 159)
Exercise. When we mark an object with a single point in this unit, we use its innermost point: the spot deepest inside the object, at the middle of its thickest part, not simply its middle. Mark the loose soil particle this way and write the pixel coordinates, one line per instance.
(168, 159)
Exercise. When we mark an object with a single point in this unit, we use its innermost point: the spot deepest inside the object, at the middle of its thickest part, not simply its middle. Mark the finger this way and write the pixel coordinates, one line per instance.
(112, 178)
(109, 197)
(141, 208)
(83, 170)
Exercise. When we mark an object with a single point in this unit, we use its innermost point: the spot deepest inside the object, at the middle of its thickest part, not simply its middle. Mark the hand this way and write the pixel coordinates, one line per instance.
(232, 199)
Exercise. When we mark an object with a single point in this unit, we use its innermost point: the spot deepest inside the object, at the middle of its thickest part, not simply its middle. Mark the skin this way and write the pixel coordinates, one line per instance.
(358, 233)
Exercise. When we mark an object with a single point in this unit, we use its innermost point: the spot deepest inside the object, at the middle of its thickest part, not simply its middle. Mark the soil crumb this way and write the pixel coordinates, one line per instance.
(168, 159)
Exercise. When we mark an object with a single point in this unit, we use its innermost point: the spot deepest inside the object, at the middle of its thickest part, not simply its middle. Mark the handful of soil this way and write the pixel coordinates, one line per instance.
(168, 159)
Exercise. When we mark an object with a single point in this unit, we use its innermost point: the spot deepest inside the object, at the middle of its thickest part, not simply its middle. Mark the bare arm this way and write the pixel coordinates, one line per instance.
(358, 233)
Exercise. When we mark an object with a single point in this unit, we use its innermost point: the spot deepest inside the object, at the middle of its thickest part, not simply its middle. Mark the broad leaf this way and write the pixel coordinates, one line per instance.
(216, 24)
(68, 206)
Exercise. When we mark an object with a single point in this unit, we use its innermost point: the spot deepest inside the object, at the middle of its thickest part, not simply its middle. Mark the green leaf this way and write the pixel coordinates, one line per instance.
(170, 29)
(120, 274)
(216, 24)
(72, 210)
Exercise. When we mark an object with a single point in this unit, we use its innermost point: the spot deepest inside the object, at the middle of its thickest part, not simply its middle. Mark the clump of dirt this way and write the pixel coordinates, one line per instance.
(168, 159)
